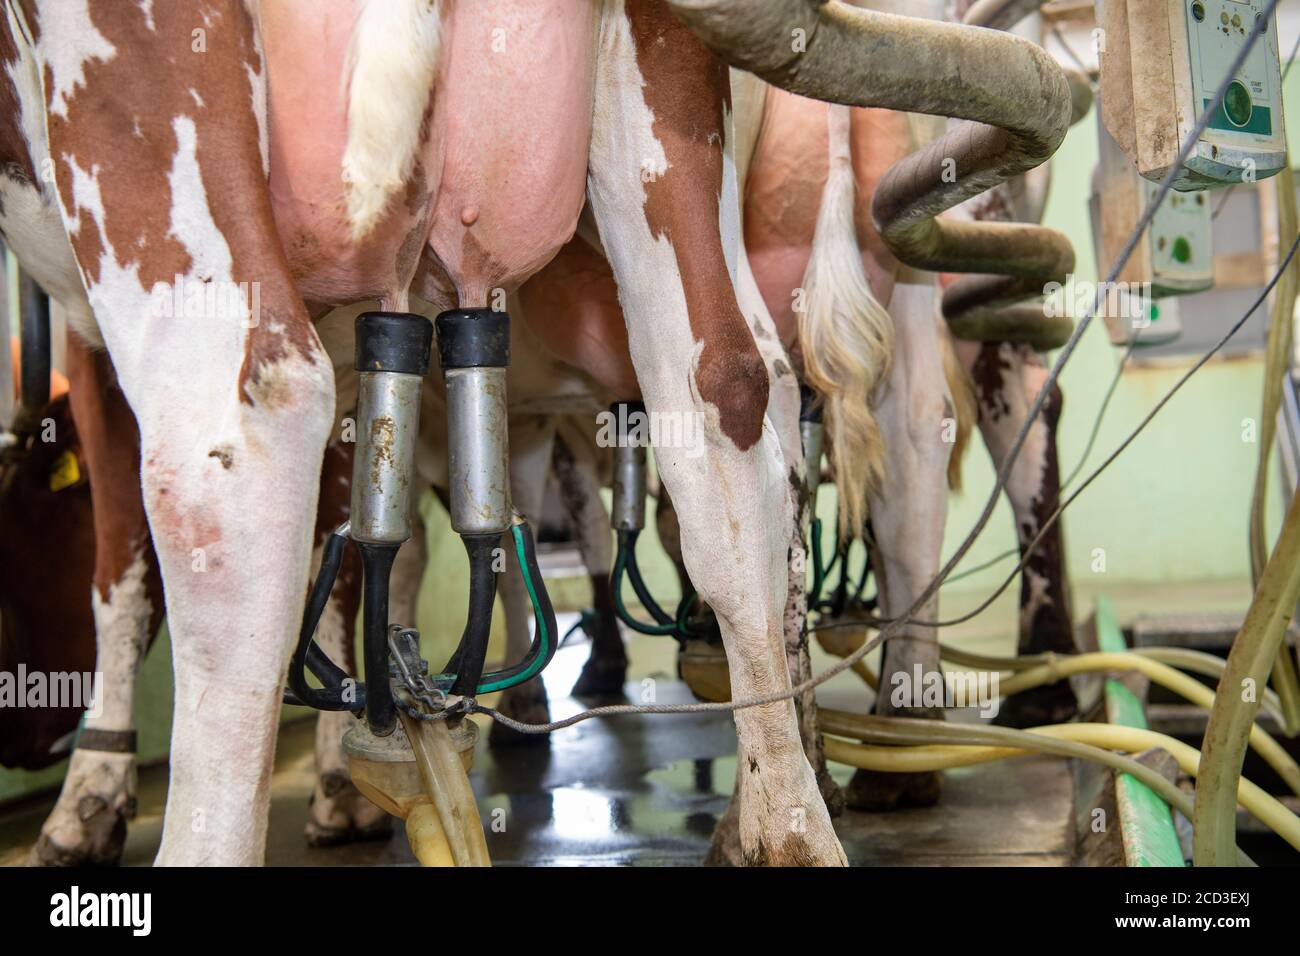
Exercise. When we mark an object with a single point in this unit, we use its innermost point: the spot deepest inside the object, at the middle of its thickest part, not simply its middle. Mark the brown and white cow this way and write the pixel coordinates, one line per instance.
(60, 576)
(340, 151)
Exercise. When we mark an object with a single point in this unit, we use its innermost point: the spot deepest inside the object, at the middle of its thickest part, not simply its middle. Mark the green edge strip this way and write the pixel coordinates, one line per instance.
(1146, 822)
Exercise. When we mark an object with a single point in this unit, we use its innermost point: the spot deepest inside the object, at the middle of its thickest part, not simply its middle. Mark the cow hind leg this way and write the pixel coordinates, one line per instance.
(88, 823)
(908, 511)
(575, 472)
(234, 397)
(1007, 377)
(668, 219)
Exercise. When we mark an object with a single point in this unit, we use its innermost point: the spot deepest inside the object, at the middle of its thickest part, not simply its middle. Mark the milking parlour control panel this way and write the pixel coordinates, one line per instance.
(1246, 137)
(1162, 65)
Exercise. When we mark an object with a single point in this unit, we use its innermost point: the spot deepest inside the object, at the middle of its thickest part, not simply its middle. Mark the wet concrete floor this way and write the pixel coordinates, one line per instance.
(643, 790)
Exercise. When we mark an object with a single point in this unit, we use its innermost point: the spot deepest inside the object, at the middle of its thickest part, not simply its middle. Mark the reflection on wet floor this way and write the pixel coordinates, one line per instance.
(640, 790)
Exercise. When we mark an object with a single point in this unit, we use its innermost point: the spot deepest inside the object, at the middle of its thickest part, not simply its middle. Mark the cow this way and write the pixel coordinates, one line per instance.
(53, 544)
(381, 152)
(47, 547)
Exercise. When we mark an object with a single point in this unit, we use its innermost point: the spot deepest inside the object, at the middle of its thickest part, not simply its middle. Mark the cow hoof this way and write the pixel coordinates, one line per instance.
(339, 814)
(527, 704)
(97, 841)
(1038, 707)
(602, 676)
(321, 836)
(87, 827)
(793, 834)
(724, 847)
(876, 791)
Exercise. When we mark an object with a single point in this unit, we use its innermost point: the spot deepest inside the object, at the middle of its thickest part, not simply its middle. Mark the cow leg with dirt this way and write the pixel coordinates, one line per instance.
(88, 823)
(669, 224)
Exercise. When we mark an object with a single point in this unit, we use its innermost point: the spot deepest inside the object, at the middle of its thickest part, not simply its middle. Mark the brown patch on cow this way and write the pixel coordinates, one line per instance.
(15, 157)
(47, 565)
(224, 456)
(988, 374)
(119, 128)
(687, 90)
(1051, 627)
(110, 440)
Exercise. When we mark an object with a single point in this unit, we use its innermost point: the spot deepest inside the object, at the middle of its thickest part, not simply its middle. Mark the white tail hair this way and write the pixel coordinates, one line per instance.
(846, 336)
(389, 74)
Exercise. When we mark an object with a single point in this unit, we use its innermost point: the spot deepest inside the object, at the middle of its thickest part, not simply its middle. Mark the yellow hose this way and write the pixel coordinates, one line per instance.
(448, 787)
(1183, 658)
(1063, 666)
(1164, 675)
(1277, 364)
(927, 757)
(1253, 655)
(899, 732)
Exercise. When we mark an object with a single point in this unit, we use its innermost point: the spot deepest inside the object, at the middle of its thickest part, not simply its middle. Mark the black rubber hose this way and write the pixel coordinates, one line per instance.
(376, 566)
(34, 378)
(467, 661)
(308, 656)
(545, 637)
(627, 546)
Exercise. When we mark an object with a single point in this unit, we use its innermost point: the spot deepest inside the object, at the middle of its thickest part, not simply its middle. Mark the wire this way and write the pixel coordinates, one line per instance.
(1060, 509)
(892, 627)
(1060, 38)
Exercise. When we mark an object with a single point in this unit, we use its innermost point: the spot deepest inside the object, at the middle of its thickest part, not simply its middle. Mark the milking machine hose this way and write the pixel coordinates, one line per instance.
(308, 656)
(544, 642)
(820, 570)
(839, 599)
(331, 696)
(1049, 669)
(34, 373)
(909, 745)
(466, 663)
(625, 562)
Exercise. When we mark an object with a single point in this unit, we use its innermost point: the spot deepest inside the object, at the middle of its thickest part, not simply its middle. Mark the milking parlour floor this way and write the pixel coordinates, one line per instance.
(647, 790)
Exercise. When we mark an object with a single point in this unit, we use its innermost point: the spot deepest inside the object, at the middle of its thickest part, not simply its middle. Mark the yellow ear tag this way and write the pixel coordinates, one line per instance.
(65, 473)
